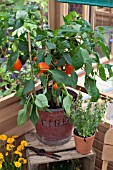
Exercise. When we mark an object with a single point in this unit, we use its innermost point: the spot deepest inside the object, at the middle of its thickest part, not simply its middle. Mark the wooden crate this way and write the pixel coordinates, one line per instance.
(66, 151)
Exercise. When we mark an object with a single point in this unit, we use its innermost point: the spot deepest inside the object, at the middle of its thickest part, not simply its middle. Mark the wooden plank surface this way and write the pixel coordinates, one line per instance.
(65, 155)
(108, 139)
(99, 157)
(33, 141)
(98, 153)
(103, 127)
(98, 144)
(27, 127)
(9, 111)
(7, 100)
(98, 165)
(107, 153)
(100, 136)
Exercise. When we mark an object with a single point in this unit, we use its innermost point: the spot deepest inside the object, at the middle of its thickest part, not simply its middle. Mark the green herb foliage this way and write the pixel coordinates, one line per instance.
(87, 115)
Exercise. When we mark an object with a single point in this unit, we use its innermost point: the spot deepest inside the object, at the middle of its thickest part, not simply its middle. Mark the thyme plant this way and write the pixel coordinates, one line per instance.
(87, 118)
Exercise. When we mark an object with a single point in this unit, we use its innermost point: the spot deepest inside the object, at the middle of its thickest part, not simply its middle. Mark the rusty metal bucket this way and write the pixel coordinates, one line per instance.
(54, 128)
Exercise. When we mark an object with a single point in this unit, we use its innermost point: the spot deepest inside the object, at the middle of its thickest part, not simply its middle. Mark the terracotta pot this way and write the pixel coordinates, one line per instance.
(53, 128)
(83, 145)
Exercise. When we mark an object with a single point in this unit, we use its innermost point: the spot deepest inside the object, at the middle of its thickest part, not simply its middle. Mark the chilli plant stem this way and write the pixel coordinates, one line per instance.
(30, 58)
(42, 14)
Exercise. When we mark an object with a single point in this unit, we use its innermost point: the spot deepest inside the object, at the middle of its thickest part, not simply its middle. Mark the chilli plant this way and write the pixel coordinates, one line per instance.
(53, 57)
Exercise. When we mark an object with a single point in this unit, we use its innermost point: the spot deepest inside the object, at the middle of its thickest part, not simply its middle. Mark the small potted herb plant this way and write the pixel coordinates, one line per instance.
(53, 58)
(86, 117)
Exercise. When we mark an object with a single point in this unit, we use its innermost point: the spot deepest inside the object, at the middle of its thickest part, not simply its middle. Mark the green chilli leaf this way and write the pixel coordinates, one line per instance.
(29, 86)
(67, 58)
(102, 73)
(67, 103)
(41, 101)
(61, 77)
(74, 77)
(88, 68)
(84, 54)
(90, 85)
(11, 60)
(109, 68)
(34, 117)
(48, 59)
(19, 92)
(23, 116)
(40, 56)
(43, 80)
(51, 46)
(77, 60)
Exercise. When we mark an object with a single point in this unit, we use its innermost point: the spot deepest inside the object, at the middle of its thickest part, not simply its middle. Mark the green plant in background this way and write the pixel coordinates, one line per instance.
(43, 4)
(13, 4)
(16, 46)
(87, 115)
(7, 82)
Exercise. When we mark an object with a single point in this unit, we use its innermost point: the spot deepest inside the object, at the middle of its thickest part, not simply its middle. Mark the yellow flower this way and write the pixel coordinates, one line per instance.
(3, 137)
(18, 153)
(17, 164)
(22, 160)
(25, 161)
(6, 154)
(0, 165)
(10, 140)
(20, 148)
(14, 136)
(1, 158)
(24, 143)
(9, 147)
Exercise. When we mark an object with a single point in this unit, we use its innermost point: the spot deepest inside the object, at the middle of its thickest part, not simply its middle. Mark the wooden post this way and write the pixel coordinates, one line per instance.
(56, 11)
(104, 165)
(51, 14)
(85, 12)
(93, 16)
(88, 163)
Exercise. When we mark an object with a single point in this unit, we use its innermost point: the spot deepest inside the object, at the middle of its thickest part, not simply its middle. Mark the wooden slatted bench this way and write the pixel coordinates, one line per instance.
(67, 152)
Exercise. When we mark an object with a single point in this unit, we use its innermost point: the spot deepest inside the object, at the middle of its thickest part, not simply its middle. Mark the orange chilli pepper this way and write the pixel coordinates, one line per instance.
(43, 67)
(55, 86)
(18, 65)
(69, 69)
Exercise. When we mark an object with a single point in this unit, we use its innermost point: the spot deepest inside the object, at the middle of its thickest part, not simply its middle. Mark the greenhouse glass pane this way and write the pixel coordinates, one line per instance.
(103, 3)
